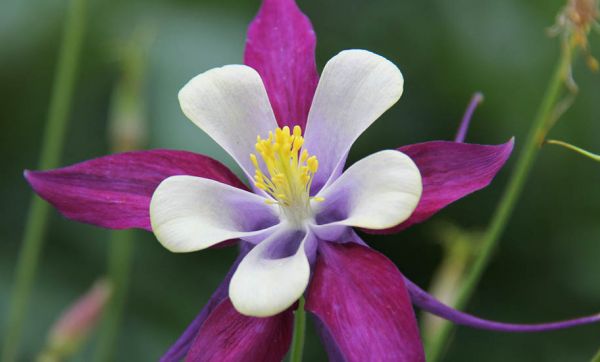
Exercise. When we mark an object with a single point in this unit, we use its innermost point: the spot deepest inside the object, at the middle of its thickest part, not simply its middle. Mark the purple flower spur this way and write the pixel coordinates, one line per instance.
(290, 131)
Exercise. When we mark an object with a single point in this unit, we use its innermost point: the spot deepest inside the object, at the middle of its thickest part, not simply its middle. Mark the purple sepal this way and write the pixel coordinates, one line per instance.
(450, 171)
(359, 298)
(429, 303)
(181, 347)
(281, 46)
(226, 335)
(114, 191)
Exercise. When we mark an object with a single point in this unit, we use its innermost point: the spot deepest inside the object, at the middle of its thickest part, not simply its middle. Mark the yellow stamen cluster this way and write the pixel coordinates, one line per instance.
(290, 171)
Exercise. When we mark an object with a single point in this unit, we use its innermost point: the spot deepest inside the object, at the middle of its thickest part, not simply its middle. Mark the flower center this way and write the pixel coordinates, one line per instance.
(290, 172)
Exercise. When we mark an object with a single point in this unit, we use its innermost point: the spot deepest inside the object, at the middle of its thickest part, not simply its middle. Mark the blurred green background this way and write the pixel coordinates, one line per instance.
(548, 263)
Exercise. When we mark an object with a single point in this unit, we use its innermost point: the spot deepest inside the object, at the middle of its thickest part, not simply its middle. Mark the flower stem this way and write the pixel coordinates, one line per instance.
(581, 151)
(299, 329)
(127, 132)
(596, 358)
(544, 119)
(52, 144)
(119, 266)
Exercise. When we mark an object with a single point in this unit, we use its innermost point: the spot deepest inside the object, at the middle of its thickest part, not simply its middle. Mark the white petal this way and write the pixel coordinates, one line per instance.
(377, 192)
(190, 213)
(231, 105)
(269, 280)
(356, 87)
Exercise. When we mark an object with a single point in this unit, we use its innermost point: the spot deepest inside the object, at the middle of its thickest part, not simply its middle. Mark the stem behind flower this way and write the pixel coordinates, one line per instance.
(119, 266)
(127, 132)
(299, 331)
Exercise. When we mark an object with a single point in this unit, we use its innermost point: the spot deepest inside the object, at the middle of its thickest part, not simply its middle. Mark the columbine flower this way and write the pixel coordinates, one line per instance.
(295, 223)
(300, 200)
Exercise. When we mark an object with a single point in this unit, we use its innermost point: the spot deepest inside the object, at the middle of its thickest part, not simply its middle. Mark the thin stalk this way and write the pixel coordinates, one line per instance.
(531, 147)
(579, 150)
(127, 132)
(596, 358)
(52, 145)
(119, 267)
(299, 330)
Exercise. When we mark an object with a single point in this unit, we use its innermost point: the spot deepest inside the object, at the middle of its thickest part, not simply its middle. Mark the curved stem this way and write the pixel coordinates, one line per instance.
(514, 188)
(52, 144)
(299, 329)
(579, 150)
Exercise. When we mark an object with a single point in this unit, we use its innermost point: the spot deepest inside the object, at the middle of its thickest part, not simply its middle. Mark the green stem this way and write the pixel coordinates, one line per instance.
(119, 266)
(514, 188)
(596, 358)
(126, 133)
(299, 328)
(579, 150)
(52, 144)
